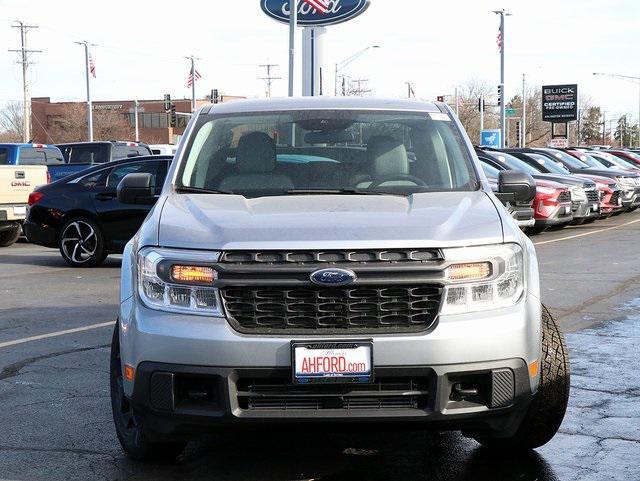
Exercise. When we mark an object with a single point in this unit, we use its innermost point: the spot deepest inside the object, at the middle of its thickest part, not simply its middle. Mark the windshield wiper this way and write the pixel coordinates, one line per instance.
(199, 190)
(343, 192)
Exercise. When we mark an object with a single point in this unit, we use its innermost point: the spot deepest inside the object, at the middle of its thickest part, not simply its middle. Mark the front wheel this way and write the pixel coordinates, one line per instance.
(10, 236)
(129, 428)
(81, 243)
(547, 410)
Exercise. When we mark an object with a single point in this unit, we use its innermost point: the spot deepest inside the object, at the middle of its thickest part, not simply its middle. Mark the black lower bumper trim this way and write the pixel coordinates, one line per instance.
(178, 402)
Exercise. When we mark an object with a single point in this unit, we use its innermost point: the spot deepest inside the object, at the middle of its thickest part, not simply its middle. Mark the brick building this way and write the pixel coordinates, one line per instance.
(152, 119)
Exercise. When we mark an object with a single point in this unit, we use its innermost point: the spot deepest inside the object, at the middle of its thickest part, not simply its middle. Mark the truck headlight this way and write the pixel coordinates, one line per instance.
(483, 278)
(178, 281)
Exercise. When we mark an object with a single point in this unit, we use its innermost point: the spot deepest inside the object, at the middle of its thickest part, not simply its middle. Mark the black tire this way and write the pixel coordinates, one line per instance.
(10, 236)
(129, 428)
(535, 230)
(81, 243)
(548, 407)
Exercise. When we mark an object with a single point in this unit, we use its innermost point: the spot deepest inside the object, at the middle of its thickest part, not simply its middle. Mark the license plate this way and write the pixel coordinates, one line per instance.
(20, 210)
(595, 207)
(332, 362)
(567, 209)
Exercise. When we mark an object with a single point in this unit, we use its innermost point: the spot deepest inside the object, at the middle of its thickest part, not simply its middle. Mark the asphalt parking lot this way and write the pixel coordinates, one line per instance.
(56, 423)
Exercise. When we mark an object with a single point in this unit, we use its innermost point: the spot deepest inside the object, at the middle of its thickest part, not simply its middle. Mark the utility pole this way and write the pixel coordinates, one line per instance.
(87, 70)
(523, 124)
(135, 122)
(24, 60)
(293, 22)
(410, 92)
(481, 113)
(457, 104)
(604, 127)
(269, 79)
(193, 59)
(503, 13)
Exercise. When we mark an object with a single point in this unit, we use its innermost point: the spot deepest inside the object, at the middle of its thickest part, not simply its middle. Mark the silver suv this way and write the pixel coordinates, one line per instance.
(333, 261)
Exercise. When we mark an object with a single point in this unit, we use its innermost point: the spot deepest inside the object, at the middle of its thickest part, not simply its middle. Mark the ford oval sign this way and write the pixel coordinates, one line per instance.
(336, 11)
(333, 277)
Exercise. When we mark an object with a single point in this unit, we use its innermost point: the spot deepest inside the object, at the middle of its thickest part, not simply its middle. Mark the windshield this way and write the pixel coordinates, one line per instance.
(489, 170)
(591, 161)
(4, 155)
(567, 158)
(294, 152)
(517, 164)
(547, 164)
(625, 164)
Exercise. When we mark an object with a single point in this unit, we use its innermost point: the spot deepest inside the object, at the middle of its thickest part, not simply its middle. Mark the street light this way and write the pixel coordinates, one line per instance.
(628, 78)
(341, 65)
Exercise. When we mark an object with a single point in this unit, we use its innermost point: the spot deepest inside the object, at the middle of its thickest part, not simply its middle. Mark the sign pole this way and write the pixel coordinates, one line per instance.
(293, 21)
(523, 125)
(481, 115)
(502, 100)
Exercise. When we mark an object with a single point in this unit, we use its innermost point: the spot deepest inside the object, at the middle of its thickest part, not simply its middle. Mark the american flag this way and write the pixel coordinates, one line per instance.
(190, 78)
(499, 40)
(92, 66)
(322, 6)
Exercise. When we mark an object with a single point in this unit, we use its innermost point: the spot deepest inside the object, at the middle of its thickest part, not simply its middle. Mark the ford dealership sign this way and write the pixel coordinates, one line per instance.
(337, 11)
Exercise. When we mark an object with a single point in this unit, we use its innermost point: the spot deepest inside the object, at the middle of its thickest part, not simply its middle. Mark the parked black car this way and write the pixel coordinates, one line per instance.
(82, 216)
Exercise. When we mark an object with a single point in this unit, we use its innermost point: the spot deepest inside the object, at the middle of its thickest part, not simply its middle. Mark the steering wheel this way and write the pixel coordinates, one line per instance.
(389, 178)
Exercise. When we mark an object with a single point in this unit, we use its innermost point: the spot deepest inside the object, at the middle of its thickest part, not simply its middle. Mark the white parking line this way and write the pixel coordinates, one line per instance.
(55, 334)
(584, 234)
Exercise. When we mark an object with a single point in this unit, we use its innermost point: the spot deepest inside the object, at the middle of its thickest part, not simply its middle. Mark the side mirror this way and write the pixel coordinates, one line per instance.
(516, 186)
(136, 189)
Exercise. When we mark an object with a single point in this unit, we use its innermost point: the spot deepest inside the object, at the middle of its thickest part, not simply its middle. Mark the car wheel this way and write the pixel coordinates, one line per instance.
(10, 236)
(129, 428)
(548, 407)
(81, 243)
(536, 229)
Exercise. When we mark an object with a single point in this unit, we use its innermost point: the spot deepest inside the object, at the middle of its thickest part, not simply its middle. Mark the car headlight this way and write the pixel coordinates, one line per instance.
(578, 193)
(178, 281)
(546, 190)
(483, 278)
(625, 182)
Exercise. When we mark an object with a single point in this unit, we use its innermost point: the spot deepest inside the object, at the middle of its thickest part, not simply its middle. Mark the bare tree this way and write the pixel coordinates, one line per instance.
(71, 125)
(11, 125)
(469, 112)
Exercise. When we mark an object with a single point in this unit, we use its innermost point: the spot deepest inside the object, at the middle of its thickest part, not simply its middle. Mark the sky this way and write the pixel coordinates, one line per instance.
(141, 45)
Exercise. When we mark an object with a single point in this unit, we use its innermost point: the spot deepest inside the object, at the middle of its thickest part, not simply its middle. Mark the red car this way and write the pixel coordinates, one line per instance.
(552, 206)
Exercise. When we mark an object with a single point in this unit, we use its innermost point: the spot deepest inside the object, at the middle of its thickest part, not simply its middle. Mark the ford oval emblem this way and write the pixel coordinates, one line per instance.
(336, 11)
(333, 277)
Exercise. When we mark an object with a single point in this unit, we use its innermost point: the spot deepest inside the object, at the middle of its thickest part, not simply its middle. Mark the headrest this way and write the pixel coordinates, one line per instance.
(387, 155)
(256, 153)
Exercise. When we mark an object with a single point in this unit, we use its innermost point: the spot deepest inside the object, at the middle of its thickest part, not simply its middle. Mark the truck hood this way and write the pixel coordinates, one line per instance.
(219, 222)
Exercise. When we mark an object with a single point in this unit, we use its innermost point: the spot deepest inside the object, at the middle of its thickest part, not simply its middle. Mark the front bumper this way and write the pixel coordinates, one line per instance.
(586, 210)
(178, 401)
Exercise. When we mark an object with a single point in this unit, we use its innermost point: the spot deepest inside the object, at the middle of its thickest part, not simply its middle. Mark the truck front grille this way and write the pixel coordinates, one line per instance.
(313, 309)
(281, 395)
(592, 195)
(565, 196)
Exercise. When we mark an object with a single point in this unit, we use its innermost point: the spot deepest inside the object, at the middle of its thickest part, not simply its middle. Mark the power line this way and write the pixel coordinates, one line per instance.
(25, 54)
(269, 79)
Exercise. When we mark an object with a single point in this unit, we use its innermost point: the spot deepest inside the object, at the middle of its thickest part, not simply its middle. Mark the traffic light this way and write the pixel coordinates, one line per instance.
(167, 102)
(215, 96)
(440, 98)
(519, 133)
(173, 117)
(481, 104)
(500, 94)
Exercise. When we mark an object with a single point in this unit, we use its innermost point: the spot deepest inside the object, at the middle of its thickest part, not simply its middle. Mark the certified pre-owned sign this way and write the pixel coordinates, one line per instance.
(315, 12)
(560, 103)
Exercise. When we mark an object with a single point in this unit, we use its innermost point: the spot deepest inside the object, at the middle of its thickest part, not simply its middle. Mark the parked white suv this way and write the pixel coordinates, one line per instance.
(326, 260)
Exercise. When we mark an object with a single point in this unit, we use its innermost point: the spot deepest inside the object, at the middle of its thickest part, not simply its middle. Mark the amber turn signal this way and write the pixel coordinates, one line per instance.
(193, 274)
(534, 368)
(469, 272)
(129, 372)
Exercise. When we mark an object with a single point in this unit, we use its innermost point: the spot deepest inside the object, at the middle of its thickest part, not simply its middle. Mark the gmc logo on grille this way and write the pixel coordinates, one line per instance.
(21, 183)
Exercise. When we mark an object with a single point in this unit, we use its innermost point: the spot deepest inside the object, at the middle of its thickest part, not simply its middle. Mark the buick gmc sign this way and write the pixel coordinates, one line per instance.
(560, 103)
(315, 13)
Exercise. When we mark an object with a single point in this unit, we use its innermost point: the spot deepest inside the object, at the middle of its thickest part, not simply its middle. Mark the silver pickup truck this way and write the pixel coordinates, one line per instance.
(327, 261)
(16, 183)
